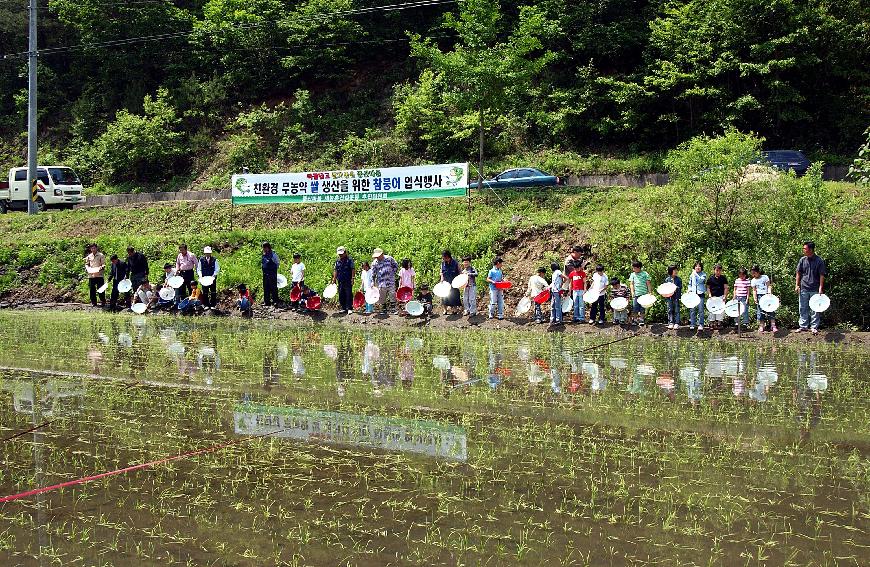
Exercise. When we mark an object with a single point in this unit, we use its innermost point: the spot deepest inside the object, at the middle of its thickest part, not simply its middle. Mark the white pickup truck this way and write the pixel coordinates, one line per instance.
(57, 186)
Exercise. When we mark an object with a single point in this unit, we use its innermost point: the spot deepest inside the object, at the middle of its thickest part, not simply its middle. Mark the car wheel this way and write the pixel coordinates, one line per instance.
(40, 205)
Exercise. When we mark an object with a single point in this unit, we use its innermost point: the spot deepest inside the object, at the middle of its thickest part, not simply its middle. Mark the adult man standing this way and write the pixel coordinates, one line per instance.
(208, 266)
(118, 272)
(385, 268)
(95, 266)
(185, 264)
(574, 259)
(809, 280)
(137, 267)
(342, 275)
(270, 263)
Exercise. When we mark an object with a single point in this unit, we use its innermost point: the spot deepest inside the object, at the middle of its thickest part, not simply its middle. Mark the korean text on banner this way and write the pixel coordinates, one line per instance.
(417, 182)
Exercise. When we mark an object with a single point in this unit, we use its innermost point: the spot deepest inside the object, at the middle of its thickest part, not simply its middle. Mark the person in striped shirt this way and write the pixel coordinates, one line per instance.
(741, 293)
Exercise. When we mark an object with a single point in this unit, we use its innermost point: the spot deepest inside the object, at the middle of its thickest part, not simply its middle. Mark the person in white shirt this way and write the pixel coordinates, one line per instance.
(599, 284)
(761, 286)
(185, 265)
(367, 278)
(208, 266)
(537, 283)
(556, 295)
(144, 294)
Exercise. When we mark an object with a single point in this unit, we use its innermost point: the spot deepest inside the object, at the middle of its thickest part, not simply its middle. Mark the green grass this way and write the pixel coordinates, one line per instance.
(619, 224)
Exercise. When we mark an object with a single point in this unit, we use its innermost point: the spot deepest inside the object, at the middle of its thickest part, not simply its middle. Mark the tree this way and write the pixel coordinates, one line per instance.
(486, 67)
(859, 171)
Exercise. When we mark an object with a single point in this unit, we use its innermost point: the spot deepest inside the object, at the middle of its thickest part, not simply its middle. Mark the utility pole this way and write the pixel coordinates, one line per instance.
(31, 111)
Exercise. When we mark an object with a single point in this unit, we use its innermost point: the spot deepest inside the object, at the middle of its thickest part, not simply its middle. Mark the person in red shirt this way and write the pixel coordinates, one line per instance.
(577, 277)
(245, 302)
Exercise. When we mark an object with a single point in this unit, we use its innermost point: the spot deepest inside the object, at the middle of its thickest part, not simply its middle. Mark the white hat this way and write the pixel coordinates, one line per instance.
(377, 253)
(340, 250)
(207, 250)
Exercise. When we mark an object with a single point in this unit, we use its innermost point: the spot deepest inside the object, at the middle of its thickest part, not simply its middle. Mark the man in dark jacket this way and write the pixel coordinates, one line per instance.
(342, 275)
(137, 266)
(270, 263)
(117, 272)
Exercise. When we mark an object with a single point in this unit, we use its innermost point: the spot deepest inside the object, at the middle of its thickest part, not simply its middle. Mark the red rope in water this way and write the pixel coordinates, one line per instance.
(164, 460)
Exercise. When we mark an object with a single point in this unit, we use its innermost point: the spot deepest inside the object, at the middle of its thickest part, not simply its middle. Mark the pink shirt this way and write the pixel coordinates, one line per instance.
(406, 278)
(741, 287)
(186, 261)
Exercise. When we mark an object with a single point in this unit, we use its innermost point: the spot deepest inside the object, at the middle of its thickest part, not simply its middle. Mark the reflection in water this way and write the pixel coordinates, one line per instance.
(372, 431)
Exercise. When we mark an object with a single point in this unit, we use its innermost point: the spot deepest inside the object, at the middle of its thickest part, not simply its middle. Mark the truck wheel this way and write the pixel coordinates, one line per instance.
(3, 207)
(40, 205)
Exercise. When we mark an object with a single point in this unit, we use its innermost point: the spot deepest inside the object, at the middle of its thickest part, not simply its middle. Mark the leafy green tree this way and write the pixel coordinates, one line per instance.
(140, 146)
(710, 175)
(489, 67)
(859, 171)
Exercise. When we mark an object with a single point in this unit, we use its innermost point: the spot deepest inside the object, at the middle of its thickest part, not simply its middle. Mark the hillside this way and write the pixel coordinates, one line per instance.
(41, 256)
(182, 93)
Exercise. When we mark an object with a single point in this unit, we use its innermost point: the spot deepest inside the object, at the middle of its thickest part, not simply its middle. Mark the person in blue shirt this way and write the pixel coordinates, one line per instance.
(698, 285)
(496, 296)
(270, 264)
(673, 302)
(556, 295)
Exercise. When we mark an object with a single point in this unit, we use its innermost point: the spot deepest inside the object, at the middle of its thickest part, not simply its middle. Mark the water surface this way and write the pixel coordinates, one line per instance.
(410, 448)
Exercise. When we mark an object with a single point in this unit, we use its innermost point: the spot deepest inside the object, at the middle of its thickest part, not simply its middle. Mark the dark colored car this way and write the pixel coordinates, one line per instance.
(787, 160)
(520, 177)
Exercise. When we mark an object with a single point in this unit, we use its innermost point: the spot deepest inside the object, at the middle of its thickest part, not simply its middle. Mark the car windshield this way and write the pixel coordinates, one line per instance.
(63, 176)
(784, 155)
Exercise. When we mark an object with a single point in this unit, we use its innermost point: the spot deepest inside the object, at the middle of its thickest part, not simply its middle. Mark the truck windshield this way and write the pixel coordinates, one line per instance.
(63, 176)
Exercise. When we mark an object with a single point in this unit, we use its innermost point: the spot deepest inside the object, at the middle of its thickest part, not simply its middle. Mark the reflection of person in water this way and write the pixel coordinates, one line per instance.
(807, 393)
(271, 373)
(406, 368)
(343, 364)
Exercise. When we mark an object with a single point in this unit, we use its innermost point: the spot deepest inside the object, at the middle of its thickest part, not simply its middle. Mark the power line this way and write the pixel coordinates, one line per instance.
(173, 35)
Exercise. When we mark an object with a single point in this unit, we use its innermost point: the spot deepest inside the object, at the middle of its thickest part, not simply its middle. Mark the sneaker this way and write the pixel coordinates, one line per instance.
(760, 330)
(815, 331)
(802, 330)
(692, 328)
(774, 329)
(591, 322)
(641, 323)
(700, 328)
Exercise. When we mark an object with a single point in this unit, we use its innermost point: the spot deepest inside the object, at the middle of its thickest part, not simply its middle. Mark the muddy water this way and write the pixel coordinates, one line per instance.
(337, 447)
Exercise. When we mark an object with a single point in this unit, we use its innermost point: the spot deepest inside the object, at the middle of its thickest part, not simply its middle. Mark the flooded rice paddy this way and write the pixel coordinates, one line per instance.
(328, 446)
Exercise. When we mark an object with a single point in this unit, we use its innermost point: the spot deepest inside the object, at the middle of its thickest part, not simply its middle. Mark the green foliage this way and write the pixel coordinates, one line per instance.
(139, 146)
(859, 171)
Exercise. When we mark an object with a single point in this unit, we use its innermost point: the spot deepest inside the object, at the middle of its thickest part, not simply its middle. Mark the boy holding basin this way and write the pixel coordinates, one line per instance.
(640, 282)
(618, 289)
(717, 286)
(761, 286)
(469, 294)
(496, 295)
(537, 284)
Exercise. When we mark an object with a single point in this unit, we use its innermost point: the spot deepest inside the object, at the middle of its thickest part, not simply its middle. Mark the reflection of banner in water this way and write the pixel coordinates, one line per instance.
(395, 434)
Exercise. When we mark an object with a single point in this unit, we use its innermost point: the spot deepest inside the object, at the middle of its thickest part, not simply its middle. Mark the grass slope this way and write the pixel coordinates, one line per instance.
(43, 254)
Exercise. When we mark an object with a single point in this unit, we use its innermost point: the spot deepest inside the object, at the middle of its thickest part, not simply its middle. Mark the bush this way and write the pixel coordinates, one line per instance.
(138, 147)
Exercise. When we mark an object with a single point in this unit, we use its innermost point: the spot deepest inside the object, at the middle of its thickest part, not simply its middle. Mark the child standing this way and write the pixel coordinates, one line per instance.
(297, 271)
(599, 284)
(496, 296)
(578, 286)
(717, 286)
(406, 276)
(761, 286)
(556, 295)
(673, 302)
(617, 289)
(469, 295)
(639, 282)
(741, 294)
(367, 283)
(537, 284)
(698, 285)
